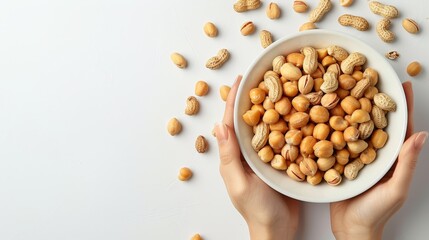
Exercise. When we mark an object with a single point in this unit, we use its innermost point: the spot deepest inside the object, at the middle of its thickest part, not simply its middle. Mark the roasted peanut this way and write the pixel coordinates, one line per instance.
(357, 146)
(305, 84)
(368, 156)
(414, 69)
(266, 154)
(332, 177)
(385, 102)
(275, 90)
(210, 29)
(247, 28)
(307, 26)
(310, 60)
(379, 138)
(270, 116)
(353, 60)
(266, 38)
(300, 6)
(383, 31)
(295, 173)
(273, 11)
(308, 166)
(300, 103)
(316, 179)
(356, 22)
(352, 169)
(323, 149)
(322, 8)
(290, 152)
(192, 106)
(279, 162)
(387, 11)
(319, 114)
(174, 127)
(321, 131)
(201, 144)
(218, 60)
(184, 174)
(290, 72)
(178, 60)
(366, 129)
(261, 136)
(201, 88)
(346, 3)
(246, 5)
(252, 117)
(410, 25)
(337, 139)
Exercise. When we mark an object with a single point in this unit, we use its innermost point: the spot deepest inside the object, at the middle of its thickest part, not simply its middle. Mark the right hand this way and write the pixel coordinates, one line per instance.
(364, 216)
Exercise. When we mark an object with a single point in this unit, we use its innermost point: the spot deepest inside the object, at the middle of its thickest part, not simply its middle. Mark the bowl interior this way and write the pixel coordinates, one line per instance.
(369, 175)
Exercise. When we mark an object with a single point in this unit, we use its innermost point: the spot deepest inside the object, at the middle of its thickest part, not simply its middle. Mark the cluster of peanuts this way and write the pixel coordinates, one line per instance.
(318, 114)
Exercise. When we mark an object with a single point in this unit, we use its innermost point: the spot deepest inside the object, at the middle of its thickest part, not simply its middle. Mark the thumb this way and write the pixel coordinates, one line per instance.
(231, 167)
(407, 160)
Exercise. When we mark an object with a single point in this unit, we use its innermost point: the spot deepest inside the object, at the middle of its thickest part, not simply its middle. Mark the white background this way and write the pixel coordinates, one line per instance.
(86, 90)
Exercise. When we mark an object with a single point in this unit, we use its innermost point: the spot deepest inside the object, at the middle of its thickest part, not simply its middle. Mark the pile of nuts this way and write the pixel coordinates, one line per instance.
(318, 114)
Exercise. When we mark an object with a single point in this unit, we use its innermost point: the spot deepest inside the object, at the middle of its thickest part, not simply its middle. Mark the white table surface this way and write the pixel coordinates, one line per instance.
(86, 90)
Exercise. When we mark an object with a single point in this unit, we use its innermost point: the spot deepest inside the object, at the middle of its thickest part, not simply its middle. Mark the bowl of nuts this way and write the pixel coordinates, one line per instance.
(320, 116)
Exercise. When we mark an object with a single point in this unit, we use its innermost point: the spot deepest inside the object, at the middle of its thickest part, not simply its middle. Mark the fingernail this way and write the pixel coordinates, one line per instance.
(221, 132)
(420, 139)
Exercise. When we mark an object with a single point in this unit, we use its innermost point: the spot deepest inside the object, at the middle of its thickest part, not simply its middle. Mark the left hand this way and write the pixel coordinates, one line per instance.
(269, 214)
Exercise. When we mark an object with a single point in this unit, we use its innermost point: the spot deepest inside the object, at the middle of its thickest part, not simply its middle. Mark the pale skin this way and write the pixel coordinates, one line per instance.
(271, 215)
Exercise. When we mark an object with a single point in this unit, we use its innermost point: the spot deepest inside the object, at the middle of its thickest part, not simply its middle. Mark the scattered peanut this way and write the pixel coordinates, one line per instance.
(201, 88)
(346, 3)
(184, 174)
(174, 127)
(201, 144)
(273, 11)
(218, 60)
(196, 237)
(210, 29)
(414, 69)
(246, 5)
(192, 106)
(322, 8)
(383, 31)
(357, 22)
(265, 38)
(247, 28)
(307, 26)
(178, 60)
(392, 55)
(410, 25)
(387, 11)
(300, 6)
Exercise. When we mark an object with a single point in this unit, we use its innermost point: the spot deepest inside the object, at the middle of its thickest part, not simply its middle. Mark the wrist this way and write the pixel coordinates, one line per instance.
(359, 234)
(259, 232)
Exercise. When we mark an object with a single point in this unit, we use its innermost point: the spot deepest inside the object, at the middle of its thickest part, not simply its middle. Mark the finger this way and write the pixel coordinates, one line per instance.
(407, 160)
(228, 116)
(409, 95)
(231, 168)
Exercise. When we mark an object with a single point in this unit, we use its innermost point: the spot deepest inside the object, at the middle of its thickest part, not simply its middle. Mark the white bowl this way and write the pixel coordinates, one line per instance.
(369, 175)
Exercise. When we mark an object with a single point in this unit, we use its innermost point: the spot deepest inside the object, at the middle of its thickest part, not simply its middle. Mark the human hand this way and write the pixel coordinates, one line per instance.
(269, 214)
(364, 216)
